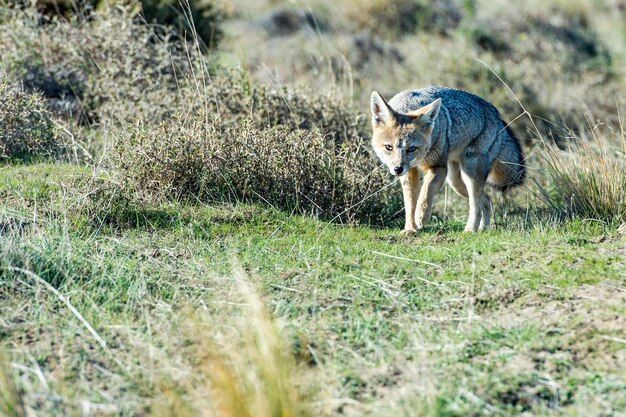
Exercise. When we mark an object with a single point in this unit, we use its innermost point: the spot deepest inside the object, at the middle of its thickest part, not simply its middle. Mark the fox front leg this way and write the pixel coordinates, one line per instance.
(410, 185)
(432, 182)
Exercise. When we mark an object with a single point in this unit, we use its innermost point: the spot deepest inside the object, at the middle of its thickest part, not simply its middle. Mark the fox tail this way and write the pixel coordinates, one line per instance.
(508, 168)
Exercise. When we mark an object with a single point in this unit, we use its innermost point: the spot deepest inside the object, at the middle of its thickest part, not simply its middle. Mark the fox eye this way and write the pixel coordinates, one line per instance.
(389, 147)
(411, 149)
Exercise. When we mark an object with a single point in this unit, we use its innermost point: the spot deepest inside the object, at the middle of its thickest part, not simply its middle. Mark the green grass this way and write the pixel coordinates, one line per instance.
(116, 299)
(518, 319)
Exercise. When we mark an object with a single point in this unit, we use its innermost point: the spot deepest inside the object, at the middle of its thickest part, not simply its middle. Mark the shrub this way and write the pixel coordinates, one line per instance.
(90, 77)
(203, 17)
(235, 98)
(26, 129)
(556, 35)
(367, 50)
(405, 17)
(588, 180)
(287, 21)
(86, 74)
(48, 9)
(296, 170)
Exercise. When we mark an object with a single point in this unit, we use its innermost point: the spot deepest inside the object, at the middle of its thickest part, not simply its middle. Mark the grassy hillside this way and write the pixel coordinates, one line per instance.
(195, 228)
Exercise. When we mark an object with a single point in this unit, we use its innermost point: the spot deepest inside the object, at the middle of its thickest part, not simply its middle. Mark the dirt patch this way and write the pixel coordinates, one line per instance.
(585, 326)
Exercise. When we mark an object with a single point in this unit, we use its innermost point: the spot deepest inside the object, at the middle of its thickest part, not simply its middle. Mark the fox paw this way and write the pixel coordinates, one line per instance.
(408, 232)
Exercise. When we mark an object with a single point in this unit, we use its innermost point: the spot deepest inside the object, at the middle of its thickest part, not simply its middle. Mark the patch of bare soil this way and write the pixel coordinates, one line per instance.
(587, 325)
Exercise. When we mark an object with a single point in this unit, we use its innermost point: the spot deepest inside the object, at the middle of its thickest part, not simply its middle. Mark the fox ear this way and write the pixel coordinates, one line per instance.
(381, 112)
(425, 116)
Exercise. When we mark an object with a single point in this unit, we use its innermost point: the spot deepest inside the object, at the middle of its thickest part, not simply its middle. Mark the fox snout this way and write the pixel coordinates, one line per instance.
(397, 169)
(398, 164)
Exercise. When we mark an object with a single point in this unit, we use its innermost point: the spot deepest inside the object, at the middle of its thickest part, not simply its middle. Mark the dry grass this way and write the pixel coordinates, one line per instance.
(11, 403)
(89, 77)
(238, 368)
(295, 170)
(588, 179)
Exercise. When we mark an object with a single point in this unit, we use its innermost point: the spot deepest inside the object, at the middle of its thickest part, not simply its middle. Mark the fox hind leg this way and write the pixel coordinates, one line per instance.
(474, 191)
(456, 182)
(432, 182)
(474, 171)
(454, 179)
(485, 211)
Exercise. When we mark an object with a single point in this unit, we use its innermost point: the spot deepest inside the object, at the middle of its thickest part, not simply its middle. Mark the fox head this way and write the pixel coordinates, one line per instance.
(401, 140)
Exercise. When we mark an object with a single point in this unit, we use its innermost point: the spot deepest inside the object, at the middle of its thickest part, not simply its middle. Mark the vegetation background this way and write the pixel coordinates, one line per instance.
(192, 222)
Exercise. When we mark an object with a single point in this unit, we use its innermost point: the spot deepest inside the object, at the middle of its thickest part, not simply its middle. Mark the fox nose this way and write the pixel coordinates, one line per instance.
(398, 170)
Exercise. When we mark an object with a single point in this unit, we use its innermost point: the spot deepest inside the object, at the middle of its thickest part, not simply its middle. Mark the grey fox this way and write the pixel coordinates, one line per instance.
(450, 134)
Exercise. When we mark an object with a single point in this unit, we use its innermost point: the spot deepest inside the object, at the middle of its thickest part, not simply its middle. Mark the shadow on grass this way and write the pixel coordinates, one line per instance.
(13, 225)
(199, 219)
(223, 217)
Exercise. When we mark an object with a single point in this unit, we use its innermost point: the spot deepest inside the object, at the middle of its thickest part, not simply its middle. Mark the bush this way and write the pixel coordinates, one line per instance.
(203, 17)
(405, 17)
(287, 21)
(47, 9)
(26, 129)
(294, 170)
(236, 99)
(565, 39)
(89, 76)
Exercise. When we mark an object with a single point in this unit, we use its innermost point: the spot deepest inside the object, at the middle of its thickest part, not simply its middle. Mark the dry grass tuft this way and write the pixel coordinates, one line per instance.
(257, 379)
(241, 368)
(589, 179)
